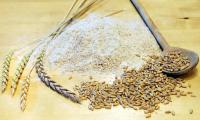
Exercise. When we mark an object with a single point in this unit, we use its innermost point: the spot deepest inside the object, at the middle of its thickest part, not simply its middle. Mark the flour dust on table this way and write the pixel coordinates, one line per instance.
(101, 45)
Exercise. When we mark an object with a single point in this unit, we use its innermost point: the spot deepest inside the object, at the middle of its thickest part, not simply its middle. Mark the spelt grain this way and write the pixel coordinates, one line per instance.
(24, 93)
(5, 72)
(19, 72)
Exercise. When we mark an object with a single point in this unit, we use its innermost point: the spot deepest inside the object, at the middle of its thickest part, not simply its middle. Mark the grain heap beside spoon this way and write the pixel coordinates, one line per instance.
(145, 89)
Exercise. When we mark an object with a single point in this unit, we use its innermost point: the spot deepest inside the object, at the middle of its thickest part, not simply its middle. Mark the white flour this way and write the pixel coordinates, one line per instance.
(101, 45)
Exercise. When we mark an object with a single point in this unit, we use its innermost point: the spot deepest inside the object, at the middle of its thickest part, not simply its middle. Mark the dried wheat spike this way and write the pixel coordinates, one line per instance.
(5, 72)
(52, 84)
(24, 93)
(19, 72)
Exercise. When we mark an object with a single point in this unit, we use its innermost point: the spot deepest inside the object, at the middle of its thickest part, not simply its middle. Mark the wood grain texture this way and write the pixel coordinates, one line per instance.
(24, 21)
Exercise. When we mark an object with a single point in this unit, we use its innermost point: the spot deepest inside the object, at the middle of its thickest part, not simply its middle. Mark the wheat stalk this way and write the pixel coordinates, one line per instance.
(52, 84)
(24, 93)
(114, 13)
(5, 71)
(39, 64)
(81, 10)
(19, 72)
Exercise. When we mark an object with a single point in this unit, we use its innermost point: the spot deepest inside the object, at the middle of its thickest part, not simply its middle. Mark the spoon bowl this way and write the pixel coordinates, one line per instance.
(192, 56)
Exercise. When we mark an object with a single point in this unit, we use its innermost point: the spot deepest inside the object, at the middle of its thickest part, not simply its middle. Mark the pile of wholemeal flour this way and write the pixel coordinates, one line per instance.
(101, 45)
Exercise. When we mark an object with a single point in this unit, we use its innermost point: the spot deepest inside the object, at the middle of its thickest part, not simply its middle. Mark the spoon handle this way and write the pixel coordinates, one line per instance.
(151, 26)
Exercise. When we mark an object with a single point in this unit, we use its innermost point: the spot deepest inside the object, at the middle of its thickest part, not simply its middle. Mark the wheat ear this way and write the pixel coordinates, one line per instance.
(24, 92)
(5, 72)
(52, 84)
(19, 72)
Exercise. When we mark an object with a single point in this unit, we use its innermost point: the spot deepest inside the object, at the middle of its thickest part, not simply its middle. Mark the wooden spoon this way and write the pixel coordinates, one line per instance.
(192, 56)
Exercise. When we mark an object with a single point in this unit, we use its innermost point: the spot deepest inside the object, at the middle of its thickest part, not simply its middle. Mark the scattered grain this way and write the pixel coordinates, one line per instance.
(193, 95)
(191, 111)
(168, 112)
(148, 115)
(189, 92)
(70, 78)
(91, 77)
(189, 85)
(173, 113)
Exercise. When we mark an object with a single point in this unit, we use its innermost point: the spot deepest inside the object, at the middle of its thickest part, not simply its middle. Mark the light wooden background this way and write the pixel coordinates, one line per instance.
(23, 21)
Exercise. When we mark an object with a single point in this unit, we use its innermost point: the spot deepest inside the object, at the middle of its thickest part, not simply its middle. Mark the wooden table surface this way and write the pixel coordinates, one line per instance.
(24, 21)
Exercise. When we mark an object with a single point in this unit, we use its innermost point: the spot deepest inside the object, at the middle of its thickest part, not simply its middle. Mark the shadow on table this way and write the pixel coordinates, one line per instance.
(190, 75)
